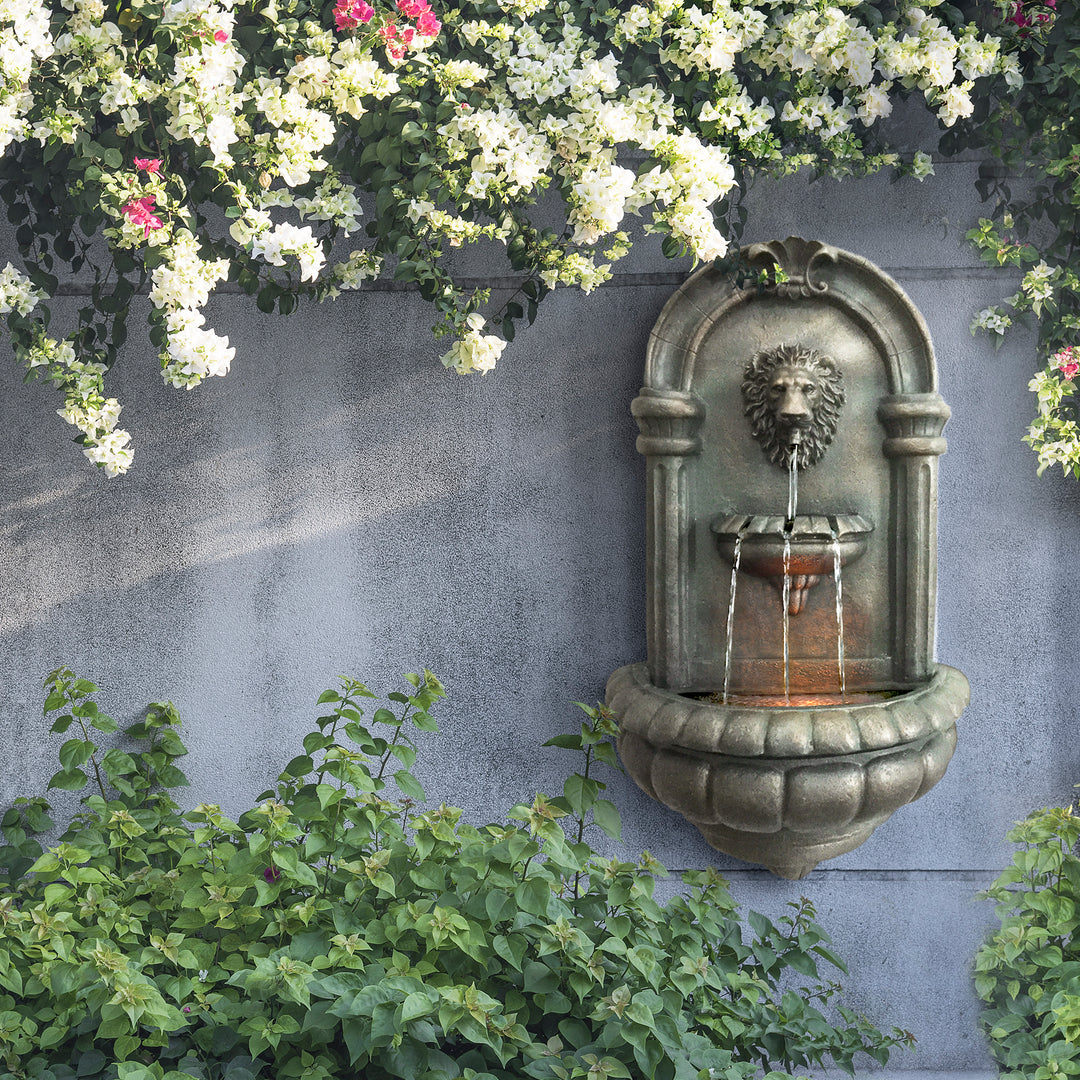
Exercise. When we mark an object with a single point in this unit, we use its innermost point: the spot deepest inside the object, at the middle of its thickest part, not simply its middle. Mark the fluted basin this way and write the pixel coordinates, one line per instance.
(812, 543)
(786, 787)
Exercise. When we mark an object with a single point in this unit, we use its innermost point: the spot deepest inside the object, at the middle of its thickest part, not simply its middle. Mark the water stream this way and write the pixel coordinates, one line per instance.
(731, 610)
(787, 616)
(788, 530)
(789, 524)
(839, 614)
(792, 489)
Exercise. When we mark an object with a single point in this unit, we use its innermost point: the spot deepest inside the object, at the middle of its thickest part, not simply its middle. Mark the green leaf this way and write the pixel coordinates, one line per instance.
(565, 742)
(533, 895)
(417, 1004)
(580, 792)
(606, 815)
(74, 753)
(300, 766)
(69, 780)
(409, 786)
(539, 978)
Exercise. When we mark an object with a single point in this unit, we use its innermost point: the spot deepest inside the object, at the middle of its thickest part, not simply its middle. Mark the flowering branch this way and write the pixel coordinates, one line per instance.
(415, 131)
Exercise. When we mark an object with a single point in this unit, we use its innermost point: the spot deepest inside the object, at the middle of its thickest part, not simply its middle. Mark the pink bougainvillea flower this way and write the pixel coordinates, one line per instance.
(220, 36)
(148, 165)
(1068, 361)
(427, 25)
(272, 874)
(420, 10)
(141, 212)
(395, 43)
(1019, 17)
(349, 14)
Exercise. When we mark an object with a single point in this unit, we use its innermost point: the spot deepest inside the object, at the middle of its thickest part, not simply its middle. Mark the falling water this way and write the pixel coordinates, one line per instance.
(731, 609)
(839, 614)
(789, 524)
(787, 617)
(793, 487)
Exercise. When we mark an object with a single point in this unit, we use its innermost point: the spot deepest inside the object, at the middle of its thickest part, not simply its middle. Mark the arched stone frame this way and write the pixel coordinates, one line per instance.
(670, 414)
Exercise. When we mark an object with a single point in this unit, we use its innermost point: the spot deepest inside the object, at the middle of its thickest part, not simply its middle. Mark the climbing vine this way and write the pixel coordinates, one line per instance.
(299, 148)
(1034, 133)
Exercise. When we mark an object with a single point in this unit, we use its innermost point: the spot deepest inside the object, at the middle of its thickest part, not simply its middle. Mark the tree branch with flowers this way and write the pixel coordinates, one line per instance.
(1033, 133)
(299, 149)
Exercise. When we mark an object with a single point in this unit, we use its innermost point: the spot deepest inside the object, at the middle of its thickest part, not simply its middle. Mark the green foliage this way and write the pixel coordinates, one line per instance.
(1028, 972)
(332, 931)
(1032, 132)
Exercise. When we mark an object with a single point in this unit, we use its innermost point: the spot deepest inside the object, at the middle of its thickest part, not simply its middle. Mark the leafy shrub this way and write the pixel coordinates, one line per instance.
(1028, 971)
(331, 931)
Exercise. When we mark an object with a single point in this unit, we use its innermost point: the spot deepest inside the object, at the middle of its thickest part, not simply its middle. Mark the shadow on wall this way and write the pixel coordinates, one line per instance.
(302, 521)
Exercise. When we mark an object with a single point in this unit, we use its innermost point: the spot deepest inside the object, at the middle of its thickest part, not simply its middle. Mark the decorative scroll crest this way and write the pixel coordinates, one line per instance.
(795, 257)
(793, 396)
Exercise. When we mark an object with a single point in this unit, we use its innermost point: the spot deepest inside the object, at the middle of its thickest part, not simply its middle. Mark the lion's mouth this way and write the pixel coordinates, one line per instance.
(793, 430)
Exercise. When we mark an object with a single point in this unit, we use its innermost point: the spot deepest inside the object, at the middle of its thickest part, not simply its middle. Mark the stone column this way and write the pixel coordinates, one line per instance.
(668, 421)
(913, 425)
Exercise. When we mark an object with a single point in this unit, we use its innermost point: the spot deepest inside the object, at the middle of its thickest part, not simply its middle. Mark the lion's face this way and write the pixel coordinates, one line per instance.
(792, 390)
(793, 396)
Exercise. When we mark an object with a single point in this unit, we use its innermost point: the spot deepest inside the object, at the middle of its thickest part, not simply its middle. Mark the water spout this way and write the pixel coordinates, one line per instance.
(793, 479)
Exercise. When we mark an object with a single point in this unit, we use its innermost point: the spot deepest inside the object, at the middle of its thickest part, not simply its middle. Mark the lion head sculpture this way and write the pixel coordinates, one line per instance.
(793, 396)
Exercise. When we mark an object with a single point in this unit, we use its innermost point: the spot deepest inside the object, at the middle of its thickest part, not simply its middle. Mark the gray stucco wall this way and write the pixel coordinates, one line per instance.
(340, 504)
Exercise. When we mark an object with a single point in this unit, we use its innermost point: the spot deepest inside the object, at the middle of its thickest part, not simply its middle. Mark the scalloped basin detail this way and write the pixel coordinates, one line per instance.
(782, 786)
(812, 543)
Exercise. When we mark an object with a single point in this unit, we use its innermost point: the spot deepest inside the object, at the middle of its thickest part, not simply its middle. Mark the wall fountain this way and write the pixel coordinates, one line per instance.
(790, 702)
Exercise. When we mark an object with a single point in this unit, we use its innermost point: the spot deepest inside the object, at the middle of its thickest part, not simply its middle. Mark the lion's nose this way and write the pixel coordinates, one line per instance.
(793, 408)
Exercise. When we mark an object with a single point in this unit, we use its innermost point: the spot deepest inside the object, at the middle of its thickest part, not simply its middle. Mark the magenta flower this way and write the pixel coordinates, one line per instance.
(395, 45)
(349, 14)
(272, 874)
(148, 165)
(420, 10)
(140, 212)
(1068, 361)
(427, 25)
(220, 37)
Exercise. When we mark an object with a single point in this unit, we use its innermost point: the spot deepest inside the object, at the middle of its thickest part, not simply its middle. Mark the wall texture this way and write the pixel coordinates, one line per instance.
(340, 504)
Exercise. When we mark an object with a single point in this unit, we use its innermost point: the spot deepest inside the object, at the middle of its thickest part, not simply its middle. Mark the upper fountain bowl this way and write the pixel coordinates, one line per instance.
(802, 553)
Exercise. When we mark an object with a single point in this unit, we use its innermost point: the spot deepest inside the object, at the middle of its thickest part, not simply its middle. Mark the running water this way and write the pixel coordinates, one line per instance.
(731, 610)
(839, 614)
(787, 617)
(793, 484)
(789, 524)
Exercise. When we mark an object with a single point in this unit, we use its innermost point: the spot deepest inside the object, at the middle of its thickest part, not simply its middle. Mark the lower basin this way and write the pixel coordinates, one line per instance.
(786, 786)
